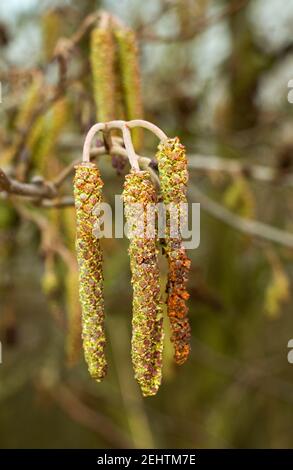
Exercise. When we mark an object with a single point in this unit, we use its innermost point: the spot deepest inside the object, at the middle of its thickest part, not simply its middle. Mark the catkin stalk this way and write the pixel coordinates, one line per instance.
(88, 193)
(173, 171)
(147, 321)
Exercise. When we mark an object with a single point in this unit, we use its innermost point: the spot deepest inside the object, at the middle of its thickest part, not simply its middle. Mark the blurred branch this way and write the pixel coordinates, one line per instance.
(142, 26)
(234, 167)
(58, 203)
(65, 46)
(247, 226)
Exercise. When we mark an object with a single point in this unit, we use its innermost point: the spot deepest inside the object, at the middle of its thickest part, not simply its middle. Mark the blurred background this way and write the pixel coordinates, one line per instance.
(215, 73)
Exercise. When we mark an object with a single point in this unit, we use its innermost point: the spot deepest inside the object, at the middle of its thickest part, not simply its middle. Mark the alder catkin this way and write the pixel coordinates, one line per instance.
(45, 133)
(147, 321)
(128, 57)
(102, 59)
(72, 304)
(88, 193)
(172, 164)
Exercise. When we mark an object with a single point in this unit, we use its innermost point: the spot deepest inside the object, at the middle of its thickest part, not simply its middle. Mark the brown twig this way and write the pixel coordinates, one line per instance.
(251, 227)
(201, 25)
(213, 163)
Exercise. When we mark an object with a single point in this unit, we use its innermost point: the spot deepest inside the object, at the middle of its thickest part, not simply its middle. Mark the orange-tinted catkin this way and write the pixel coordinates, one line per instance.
(147, 323)
(173, 172)
(88, 193)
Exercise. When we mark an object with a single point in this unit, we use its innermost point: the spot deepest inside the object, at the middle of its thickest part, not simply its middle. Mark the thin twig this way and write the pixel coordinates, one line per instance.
(35, 190)
(66, 201)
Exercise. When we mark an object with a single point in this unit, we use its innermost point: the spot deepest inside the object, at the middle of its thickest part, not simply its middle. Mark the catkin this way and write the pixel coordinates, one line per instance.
(173, 172)
(45, 133)
(102, 58)
(147, 321)
(88, 193)
(128, 58)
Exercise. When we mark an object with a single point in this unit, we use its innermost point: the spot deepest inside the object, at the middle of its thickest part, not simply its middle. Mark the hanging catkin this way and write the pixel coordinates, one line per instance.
(173, 171)
(128, 58)
(88, 193)
(147, 321)
(45, 133)
(52, 25)
(102, 58)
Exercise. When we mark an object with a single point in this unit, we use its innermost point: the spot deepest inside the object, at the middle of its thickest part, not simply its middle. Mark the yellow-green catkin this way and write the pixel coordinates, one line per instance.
(102, 59)
(88, 193)
(128, 56)
(147, 320)
(50, 281)
(239, 197)
(172, 164)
